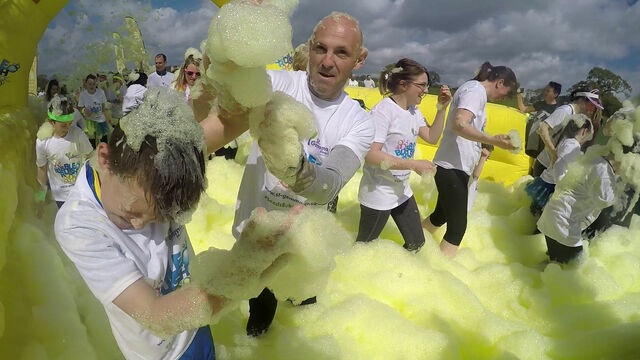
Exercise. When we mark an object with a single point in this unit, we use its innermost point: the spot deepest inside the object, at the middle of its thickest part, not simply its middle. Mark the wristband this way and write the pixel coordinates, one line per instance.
(41, 195)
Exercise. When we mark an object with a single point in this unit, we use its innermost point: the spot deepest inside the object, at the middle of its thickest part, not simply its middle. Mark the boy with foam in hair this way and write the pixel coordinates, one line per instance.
(123, 228)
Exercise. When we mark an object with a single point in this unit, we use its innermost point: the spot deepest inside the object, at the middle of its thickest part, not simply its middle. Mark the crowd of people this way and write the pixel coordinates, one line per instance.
(131, 203)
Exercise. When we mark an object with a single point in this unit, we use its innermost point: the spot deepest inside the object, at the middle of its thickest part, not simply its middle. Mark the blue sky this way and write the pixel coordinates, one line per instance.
(541, 40)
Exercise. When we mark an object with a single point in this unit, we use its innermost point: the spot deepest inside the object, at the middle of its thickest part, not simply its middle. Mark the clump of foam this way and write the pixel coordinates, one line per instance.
(293, 257)
(385, 165)
(516, 141)
(278, 129)
(45, 131)
(165, 116)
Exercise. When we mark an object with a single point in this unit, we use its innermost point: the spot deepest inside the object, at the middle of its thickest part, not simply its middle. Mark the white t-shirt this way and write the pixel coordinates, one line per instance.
(473, 192)
(457, 152)
(63, 157)
(567, 150)
(133, 98)
(565, 215)
(369, 83)
(397, 129)
(93, 103)
(352, 82)
(555, 122)
(155, 79)
(338, 122)
(110, 260)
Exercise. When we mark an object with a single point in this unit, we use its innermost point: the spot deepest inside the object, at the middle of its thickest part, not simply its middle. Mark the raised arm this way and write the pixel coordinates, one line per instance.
(431, 134)
(524, 108)
(220, 130)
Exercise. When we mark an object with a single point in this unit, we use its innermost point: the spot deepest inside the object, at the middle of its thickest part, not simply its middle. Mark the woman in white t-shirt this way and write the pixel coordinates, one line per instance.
(577, 132)
(384, 188)
(459, 150)
(187, 76)
(135, 92)
(91, 103)
(61, 149)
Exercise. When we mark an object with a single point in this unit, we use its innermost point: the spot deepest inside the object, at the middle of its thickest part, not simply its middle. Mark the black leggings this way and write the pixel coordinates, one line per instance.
(560, 252)
(451, 208)
(406, 216)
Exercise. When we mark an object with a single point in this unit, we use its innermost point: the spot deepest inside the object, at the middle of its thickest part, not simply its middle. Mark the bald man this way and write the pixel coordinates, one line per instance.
(344, 132)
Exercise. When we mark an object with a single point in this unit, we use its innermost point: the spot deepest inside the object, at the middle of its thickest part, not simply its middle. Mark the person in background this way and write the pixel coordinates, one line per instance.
(135, 92)
(475, 175)
(583, 101)
(115, 96)
(384, 188)
(301, 57)
(91, 103)
(460, 150)
(60, 154)
(541, 110)
(187, 76)
(577, 132)
(53, 87)
(369, 83)
(160, 77)
(352, 80)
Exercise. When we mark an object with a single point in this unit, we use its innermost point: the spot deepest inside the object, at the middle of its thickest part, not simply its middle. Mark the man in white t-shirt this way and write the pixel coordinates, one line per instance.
(160, 77)
(369, 83)
(344, 132)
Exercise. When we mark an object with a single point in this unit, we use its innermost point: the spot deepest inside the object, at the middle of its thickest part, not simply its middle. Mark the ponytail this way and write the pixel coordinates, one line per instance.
(491, 73)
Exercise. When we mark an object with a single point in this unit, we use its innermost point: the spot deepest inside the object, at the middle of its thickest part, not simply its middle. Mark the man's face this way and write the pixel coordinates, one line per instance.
(160, 64)
(334, 52)
(549, 94)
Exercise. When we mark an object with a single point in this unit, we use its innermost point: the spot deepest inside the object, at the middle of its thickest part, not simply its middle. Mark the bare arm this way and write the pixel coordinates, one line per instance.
(524, 108)
(543, 131)
(376, 156)
(483, 159)
(432, 134)
(220, 130)
(42, 176)
(167, 315)
(462, 127)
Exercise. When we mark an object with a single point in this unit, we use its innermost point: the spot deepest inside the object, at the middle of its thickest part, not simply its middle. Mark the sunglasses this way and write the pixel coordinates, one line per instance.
(191, 73)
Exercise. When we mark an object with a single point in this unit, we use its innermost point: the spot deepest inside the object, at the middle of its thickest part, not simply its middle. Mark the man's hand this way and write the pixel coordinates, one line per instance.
(444, 97)
(503, 141)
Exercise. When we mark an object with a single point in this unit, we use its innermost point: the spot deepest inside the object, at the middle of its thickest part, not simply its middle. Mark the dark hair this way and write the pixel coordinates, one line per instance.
(494, 73)
(180, 185)
(557, 88)
(571, 129)
(90, 76)
(404, 70)
(66, 106)
(163, 56)
(487, 146)
(574, 96)
(141, 80)
(48, 95)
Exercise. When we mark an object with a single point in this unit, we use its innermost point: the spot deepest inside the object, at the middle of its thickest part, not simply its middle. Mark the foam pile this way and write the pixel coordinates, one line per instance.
(243, 38)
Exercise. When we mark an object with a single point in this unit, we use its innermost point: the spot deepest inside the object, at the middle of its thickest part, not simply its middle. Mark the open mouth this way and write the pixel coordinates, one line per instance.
(325, 75)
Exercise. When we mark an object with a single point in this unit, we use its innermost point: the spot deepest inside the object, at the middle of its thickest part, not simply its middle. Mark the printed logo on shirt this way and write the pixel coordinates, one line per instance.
(67, 172)
(178, 268)
(314, 160)
(324, 151)
(405, 149)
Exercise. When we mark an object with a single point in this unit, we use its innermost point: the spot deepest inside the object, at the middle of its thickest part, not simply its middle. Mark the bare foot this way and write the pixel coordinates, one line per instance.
(427, 225)
(448, 249)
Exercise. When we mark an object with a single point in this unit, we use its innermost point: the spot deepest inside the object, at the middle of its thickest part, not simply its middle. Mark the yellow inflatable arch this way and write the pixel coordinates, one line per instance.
(502, 166)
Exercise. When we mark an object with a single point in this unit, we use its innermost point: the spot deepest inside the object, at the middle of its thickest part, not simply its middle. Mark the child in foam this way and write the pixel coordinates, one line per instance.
(135, 92)
(188, 74)
(583, 101)
(571, 210)
(475, 175)
(123, 228)
(91, 103)
(460, 149)
(60, 153)
(577, 132)
(384, 188)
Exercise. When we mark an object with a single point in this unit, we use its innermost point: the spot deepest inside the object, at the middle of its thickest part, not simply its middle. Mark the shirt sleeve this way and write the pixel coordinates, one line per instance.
(556, 119)
(381, 121)
(84, 146)
(91, 246)
(102, 97)
(361, 135)
(82, 100)
(41, 155)
(282, 80)
(472, 101)
(604, 185)
(566, 154)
